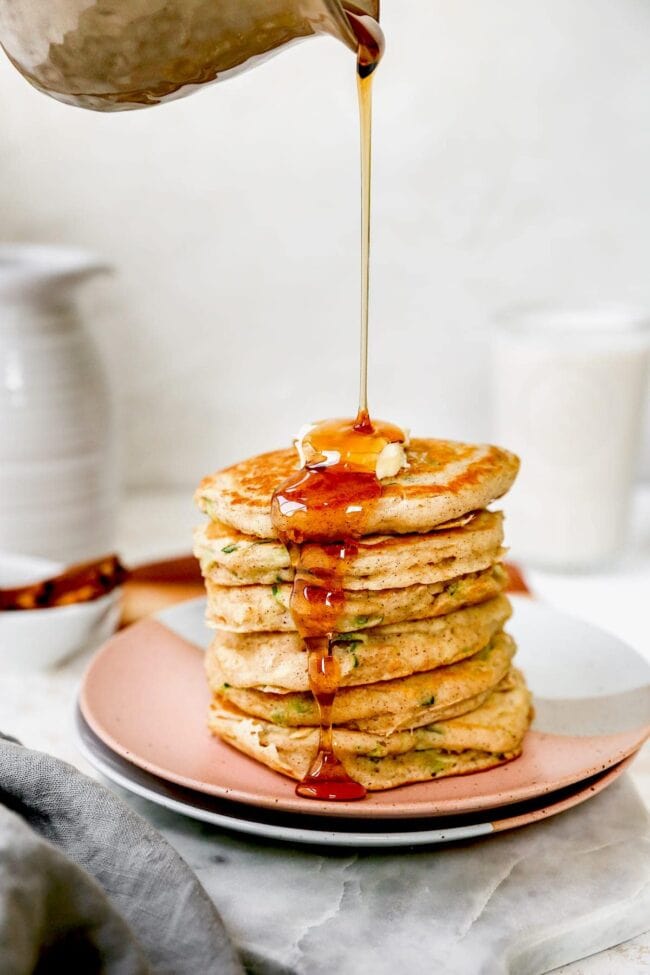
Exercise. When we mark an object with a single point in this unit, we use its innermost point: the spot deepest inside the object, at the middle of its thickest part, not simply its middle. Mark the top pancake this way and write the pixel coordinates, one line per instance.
(444, 480)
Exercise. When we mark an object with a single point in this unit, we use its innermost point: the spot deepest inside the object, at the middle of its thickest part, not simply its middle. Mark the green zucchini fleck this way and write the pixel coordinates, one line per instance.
(275, 589)
(428, 701)
(349, 638)
(300, 706)
(379, 751)
(225, 687)
(485, 652)
(360, 621)
(227, 549)
(436, 764)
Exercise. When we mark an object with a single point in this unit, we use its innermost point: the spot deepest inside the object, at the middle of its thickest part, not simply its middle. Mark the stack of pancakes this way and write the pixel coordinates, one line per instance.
(427, 688)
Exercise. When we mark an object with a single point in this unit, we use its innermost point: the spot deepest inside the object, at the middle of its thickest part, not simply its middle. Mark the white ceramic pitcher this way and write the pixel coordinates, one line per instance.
(58, 479)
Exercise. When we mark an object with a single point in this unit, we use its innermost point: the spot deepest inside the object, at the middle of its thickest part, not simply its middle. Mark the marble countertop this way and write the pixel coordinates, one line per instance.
(38, 710)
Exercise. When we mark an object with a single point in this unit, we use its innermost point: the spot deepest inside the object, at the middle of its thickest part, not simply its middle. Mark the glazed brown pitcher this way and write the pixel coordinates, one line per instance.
(111, 55)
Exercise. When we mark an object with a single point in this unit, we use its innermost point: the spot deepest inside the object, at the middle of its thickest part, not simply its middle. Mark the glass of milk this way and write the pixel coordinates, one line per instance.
(569, 394)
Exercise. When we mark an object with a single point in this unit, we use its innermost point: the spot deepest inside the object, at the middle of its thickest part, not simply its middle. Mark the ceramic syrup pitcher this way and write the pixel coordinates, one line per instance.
(58, 479)
(118, 54)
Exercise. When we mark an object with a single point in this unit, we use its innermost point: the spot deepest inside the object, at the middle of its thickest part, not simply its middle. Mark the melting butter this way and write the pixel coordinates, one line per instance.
(374, 453)
(391, 460)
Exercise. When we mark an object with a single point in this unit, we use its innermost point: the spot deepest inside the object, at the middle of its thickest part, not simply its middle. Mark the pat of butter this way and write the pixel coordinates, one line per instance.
(391, 460)
(388, 461)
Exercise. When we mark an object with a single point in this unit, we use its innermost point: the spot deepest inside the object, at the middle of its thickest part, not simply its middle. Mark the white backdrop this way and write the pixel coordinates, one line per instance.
(512, 155)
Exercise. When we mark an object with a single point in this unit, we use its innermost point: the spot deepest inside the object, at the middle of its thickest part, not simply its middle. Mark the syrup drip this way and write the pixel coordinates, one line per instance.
(327, 500)
(316, 604)
(327, 778)
(326, 503)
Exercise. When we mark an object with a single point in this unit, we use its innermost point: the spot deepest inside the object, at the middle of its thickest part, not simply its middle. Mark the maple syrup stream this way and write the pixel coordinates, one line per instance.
(319, 512)
(367, 60)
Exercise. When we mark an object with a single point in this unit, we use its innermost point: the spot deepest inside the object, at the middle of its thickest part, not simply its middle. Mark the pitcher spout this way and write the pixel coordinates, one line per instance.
(334, 20)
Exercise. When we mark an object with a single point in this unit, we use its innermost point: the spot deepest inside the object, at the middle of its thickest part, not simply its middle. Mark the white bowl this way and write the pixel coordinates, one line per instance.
(35, 639)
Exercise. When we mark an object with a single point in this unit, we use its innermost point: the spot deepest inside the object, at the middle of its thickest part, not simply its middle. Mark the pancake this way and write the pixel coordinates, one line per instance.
(488, 736)
(251, 609)
(444, 480)
(229, 558)
(387, 706)
(277, 662)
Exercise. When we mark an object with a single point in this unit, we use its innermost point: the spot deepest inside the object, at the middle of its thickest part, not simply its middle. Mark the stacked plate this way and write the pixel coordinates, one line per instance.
(141, 723)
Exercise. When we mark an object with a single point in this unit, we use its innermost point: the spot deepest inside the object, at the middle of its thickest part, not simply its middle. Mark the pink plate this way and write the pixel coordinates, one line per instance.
(144, 695)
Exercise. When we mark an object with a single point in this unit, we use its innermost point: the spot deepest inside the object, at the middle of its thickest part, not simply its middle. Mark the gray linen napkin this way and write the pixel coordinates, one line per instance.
(86, 885)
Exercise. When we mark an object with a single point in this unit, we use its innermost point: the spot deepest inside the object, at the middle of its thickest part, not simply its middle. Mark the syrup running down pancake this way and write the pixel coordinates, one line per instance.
(319, 513)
